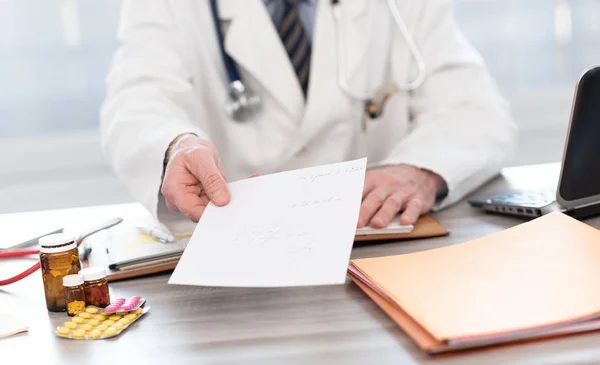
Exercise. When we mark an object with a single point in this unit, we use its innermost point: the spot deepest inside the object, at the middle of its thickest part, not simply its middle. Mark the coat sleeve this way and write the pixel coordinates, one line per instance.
(149, 97)
(462, 129)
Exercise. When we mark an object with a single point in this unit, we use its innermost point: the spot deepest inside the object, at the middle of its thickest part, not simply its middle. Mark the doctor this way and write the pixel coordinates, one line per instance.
(204, 92)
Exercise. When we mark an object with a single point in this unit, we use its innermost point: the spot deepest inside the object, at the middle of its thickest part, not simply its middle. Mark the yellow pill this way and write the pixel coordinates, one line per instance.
(110, 331)
(63, 330)
(138, 311)
(130, 316)
(85, 315)
(114, 317)
(101, 327)
(99, 317)
(87, 327)
(91, 310)
(93, 322)
(78, 320)
(118, 325)
(94, 334)
(108, 322)
(124, 321)
(71, 324)
(79, 333)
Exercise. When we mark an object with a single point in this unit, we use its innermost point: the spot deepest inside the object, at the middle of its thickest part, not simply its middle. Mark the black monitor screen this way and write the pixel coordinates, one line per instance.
(581, 165)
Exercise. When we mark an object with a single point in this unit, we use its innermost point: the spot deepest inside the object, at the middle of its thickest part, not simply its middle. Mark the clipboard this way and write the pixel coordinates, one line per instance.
(136, 252)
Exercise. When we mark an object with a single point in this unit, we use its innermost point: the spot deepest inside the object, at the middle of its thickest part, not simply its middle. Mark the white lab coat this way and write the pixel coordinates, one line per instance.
(168, 78)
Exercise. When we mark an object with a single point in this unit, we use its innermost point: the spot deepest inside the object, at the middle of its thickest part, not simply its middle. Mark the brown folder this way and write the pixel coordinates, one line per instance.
(532, 281)
(426, 226)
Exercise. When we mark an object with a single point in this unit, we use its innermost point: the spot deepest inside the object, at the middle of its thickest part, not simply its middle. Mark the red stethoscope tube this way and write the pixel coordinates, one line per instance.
(24, 274)
(27, 252)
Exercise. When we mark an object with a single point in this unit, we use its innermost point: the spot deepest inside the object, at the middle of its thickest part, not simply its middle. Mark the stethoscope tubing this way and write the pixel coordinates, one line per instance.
(341, 52)
(232, 72)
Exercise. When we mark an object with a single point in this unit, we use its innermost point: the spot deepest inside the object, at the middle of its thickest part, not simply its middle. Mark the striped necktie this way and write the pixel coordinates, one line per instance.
(295, 41)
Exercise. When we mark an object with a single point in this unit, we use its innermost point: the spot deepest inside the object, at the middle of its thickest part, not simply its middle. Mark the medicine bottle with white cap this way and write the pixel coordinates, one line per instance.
(58, 258)
(95, 286)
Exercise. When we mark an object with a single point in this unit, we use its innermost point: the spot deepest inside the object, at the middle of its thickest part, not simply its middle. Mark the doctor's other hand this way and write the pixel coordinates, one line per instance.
(398, 188)
(193, 177)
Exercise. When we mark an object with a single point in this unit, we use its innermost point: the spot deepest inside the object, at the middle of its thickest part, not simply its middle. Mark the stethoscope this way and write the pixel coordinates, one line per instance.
(242, 104)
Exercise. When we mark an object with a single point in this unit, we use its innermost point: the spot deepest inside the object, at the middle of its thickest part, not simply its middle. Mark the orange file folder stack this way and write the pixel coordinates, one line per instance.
(536, 280)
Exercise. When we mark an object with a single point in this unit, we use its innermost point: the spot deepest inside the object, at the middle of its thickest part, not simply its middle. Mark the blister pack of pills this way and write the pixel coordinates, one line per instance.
(94, 324)
(122, 305)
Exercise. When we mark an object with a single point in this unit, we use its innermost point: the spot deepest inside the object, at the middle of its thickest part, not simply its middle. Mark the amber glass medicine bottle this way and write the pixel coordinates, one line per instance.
(74, 294)
(95, 286)
(58, 258)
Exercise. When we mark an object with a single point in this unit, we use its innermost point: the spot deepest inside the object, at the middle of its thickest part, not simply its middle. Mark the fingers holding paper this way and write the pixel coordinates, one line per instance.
(193, 177)
(394, 189)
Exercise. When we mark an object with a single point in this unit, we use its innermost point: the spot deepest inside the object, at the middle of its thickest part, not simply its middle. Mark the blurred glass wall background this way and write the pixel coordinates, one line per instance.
(53, 59)
(54, 56)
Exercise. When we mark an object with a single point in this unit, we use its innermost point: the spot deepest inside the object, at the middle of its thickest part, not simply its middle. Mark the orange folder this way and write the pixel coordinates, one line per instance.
(538, 279)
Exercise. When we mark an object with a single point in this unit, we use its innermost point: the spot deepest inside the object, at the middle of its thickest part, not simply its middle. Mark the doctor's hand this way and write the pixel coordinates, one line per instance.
(193, 177)
(399, 188)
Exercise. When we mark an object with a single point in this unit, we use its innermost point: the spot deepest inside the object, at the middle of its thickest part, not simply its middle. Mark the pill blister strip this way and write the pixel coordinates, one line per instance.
(92, 324)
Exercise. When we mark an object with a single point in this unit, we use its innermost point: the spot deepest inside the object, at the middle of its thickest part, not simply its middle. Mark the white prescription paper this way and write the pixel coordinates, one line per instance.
(293, 228)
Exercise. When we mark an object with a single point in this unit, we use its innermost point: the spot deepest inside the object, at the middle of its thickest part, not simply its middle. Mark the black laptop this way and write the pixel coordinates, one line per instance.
(578, 190)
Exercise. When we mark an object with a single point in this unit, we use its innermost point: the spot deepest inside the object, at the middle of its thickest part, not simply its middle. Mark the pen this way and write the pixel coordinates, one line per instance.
(157, 234)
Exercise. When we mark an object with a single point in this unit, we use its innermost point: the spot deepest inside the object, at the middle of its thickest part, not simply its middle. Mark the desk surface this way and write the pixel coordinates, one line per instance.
(317, 325)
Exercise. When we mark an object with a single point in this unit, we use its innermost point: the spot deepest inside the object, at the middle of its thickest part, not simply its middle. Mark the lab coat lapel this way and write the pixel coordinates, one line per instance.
(252, 41)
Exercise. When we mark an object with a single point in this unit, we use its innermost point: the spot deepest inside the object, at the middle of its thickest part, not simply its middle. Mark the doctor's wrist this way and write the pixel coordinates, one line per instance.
(182, 141)
(438, 184)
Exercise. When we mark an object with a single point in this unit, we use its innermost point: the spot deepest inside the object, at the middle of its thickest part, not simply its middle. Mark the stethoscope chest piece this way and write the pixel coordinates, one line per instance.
(241, 104)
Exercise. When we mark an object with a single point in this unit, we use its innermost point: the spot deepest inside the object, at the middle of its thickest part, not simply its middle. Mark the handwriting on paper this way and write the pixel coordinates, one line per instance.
(291, 244)
(305, 203)
(266, 234)
(315, 176)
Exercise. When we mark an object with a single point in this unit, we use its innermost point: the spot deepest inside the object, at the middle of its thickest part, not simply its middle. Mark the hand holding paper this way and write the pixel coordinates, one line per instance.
(287, 229)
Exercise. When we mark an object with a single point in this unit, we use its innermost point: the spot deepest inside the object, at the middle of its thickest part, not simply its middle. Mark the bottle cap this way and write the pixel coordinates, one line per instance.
(57, 242)
(72, 280)
(93, 273)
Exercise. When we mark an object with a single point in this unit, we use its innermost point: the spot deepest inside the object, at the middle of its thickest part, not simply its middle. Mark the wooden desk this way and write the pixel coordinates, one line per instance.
(317, 325)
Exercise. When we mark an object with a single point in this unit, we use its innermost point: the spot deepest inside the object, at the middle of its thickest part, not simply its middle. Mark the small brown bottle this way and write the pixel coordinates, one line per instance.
(58, 258)
(74, 294)
(95, 286)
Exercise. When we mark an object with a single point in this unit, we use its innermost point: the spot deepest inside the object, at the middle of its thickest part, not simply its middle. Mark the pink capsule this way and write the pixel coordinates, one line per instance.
(119, 301)
(132, 302)
(110, 309)
(127, 307)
